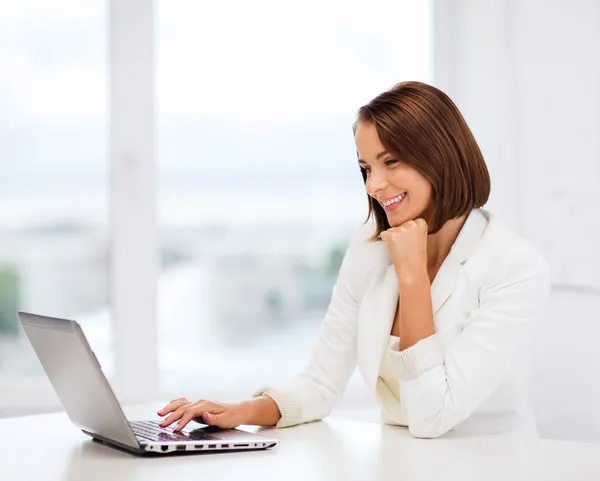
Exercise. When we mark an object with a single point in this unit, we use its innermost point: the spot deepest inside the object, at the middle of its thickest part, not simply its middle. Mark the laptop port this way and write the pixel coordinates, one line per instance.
(224, 445)
(199, 446)
(181, 448)
(241, 445)
(164, 447)
(212, 446)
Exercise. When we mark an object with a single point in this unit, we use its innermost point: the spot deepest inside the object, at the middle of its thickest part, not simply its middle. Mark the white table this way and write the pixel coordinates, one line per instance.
(334, 449)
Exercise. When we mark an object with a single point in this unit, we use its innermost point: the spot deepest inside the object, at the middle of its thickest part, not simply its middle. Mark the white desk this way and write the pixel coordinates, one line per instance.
(331, 450)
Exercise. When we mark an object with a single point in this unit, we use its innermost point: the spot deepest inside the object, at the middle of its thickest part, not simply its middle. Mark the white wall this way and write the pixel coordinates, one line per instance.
(557, 63)
(526, 76)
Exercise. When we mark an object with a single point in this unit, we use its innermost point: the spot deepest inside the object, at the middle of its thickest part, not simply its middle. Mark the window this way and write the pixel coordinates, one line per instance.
(258, 185)
(53, 192)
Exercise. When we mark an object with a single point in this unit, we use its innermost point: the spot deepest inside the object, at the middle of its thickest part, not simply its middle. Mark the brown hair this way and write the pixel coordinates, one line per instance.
(424, 128)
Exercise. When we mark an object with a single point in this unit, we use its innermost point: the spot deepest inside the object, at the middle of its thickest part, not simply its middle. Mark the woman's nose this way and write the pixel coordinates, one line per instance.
(376, 182)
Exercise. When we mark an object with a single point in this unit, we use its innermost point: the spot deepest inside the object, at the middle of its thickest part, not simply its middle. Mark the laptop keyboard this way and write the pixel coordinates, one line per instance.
(151, 431)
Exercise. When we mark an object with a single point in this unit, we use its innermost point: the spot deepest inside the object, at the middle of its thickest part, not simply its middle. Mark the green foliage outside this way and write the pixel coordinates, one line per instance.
(9, 300)
(334, 260)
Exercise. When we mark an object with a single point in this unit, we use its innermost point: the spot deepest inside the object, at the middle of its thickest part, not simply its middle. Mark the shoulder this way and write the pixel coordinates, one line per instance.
(508, 258)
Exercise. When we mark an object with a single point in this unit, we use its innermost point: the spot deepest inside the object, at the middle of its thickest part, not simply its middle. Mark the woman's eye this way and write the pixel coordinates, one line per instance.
(389, 162)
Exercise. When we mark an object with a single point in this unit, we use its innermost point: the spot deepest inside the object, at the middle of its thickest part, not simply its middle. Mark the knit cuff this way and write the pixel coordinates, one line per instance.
(414, 361)
(288, 405)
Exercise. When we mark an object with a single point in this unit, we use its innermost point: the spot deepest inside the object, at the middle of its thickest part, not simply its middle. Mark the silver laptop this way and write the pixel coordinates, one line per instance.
(86, 395)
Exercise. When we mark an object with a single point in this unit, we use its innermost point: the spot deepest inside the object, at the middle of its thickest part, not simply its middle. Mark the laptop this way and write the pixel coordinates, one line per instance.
(92, 406)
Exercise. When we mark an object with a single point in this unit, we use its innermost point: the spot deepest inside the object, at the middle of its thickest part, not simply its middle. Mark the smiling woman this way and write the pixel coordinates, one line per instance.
(422, 141)
(436, 302)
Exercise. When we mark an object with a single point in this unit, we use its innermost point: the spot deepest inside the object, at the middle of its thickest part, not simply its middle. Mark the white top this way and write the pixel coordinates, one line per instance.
(471, 376)
(48, 447)
(387, 372)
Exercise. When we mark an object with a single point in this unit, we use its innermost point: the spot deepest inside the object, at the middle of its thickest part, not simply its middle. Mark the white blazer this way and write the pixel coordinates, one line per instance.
(471, 376)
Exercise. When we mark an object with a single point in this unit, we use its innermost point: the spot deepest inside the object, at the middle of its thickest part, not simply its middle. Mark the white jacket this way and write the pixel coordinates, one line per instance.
(471, 375)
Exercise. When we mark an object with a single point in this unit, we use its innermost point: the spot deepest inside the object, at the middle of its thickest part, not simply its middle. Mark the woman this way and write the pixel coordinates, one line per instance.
(436, 301)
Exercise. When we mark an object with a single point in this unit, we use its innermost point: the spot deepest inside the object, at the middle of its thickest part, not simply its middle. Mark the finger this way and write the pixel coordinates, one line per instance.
(164, 410)
(421, 223)
(172, 403)
(190, 414)
(197, 411)
(174, 406)
(176, 415)
(169, 408)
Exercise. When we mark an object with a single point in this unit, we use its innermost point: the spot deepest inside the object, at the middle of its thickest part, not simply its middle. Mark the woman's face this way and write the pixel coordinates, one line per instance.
(403, 193)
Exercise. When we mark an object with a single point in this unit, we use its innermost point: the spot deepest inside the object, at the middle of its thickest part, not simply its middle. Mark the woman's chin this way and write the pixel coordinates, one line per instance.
(397, 220)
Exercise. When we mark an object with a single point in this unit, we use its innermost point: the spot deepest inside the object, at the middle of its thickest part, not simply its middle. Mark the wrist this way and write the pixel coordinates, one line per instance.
(413, 278)
(247, 409)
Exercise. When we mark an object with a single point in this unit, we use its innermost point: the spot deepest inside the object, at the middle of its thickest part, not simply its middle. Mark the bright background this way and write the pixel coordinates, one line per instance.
(180, 177)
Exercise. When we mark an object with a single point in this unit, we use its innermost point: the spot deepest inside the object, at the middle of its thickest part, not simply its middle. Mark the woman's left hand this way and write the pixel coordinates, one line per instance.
(407, 245)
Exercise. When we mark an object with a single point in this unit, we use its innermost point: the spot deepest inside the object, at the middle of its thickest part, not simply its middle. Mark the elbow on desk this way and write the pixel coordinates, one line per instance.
(426, 432)
(428, 428)
(430, 417)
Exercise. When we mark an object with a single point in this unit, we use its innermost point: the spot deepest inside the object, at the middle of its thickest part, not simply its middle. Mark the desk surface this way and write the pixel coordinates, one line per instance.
(330, 450)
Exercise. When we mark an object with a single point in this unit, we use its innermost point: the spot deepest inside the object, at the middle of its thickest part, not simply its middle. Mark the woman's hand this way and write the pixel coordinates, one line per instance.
(226, 416)
(407, 245)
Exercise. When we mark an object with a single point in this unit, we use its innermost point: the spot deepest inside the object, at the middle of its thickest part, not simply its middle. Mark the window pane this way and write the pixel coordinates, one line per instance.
(259, 184)
(53, 187)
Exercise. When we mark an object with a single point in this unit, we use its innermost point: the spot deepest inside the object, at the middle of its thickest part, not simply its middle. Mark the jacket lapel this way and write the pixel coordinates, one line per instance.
(375, 319)
(444, 282)
(447, 276)
(377, 309)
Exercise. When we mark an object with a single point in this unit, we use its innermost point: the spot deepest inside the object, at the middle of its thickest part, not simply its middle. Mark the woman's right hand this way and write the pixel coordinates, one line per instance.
(225, 416)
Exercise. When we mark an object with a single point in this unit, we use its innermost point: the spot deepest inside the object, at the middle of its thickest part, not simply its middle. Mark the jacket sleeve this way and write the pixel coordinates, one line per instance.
(310, 395)
(441, 389)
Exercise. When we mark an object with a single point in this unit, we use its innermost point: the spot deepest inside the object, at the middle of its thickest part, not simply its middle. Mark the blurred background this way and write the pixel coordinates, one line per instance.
(180, 177)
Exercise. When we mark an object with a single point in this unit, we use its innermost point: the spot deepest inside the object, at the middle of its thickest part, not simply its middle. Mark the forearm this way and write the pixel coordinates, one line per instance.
(261, 411)
(416, 312)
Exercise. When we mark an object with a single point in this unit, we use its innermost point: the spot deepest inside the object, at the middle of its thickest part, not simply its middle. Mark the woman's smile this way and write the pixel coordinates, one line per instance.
(393, 203)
